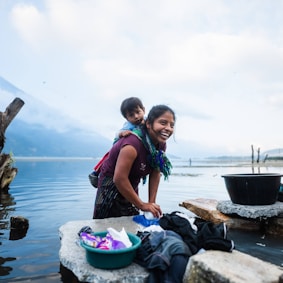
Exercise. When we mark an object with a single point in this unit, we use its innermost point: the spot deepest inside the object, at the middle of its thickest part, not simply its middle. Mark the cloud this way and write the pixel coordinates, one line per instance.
(217, 64)
(30, 24)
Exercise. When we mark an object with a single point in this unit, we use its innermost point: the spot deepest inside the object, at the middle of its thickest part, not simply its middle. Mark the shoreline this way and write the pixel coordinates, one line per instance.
(184, 163)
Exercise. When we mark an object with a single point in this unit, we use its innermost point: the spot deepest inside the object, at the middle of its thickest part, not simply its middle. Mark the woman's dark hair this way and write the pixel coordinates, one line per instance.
(157, 111)
(129, 105)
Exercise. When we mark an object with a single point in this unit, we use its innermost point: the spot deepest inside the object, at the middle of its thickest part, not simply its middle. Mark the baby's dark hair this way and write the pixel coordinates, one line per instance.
(158, 110)
(130, 104)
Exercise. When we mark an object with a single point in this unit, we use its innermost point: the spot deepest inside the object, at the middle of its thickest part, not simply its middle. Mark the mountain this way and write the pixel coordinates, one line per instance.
(24, 139)
(276, 153)
(42, 131)
(32, 131)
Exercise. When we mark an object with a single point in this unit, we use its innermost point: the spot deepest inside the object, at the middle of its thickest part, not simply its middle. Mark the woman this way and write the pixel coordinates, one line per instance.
(131, 159)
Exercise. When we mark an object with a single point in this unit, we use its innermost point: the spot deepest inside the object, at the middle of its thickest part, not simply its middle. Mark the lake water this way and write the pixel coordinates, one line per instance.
(51, 192)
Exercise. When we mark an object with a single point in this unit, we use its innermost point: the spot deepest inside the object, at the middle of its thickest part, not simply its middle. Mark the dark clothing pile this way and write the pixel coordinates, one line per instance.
(205, 235)
(166, 253)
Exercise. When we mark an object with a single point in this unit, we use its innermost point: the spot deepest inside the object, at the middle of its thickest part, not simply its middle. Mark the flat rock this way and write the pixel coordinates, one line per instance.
(250, 211)
(73, 256)
(234, 267)
(207, 267)
(205, 209)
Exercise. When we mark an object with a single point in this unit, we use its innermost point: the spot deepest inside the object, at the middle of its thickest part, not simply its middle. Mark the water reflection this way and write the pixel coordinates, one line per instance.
(46, 193)
(52, 192)
(6, 208)
(5, 270)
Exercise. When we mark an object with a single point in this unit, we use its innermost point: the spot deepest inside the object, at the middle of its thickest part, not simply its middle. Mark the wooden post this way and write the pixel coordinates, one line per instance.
(258, 155)
(265, 158)
(7, 172)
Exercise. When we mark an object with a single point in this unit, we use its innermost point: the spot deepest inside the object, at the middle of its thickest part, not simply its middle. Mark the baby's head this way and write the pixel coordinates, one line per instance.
(133, 110)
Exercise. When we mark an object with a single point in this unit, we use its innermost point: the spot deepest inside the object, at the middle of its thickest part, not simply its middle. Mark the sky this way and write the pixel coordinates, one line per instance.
(217, 64)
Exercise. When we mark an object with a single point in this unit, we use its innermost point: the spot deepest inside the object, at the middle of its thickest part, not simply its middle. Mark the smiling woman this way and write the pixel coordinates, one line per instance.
(131, 159)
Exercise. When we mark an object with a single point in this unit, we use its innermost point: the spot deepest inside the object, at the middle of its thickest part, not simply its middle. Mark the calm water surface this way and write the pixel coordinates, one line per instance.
(51, 192)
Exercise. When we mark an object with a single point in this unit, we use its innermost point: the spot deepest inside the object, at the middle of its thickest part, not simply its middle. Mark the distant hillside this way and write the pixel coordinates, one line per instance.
(23, 139)
(276, 153)
(39, 130)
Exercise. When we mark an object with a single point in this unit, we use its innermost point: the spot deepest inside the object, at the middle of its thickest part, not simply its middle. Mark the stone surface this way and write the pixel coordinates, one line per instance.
(250, 211)
(235, 267)
(207, 209)
(210, 266)
(73, 256)
(275, 226)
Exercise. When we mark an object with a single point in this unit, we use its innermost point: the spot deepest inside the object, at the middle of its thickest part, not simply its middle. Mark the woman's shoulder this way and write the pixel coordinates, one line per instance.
(133, 141)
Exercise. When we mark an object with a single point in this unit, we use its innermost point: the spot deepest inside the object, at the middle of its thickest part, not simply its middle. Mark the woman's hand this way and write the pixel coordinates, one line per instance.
(153, 208)
(124, 133)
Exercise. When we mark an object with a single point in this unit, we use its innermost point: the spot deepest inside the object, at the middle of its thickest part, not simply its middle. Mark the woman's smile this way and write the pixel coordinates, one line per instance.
(162, 128)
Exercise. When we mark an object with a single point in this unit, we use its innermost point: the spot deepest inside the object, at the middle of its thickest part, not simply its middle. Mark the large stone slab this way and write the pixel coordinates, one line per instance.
(205, 209)
(210, 266)
(73, 256)
(250, 211)
(208, 209)
(235, 267)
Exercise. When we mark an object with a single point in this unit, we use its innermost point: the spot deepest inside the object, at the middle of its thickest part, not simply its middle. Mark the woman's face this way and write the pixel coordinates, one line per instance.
(162, 128)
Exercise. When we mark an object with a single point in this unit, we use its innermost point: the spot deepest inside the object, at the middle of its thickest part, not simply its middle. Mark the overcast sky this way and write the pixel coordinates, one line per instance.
(217, 64)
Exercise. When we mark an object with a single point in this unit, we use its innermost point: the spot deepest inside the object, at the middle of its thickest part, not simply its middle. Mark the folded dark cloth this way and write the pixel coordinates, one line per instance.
(208, 236)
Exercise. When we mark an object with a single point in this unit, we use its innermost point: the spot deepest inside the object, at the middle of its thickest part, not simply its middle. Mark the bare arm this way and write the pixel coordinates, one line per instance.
(153, 184)
(123, 167)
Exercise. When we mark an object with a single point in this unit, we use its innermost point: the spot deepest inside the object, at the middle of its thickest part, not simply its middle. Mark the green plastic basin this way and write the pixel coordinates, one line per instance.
(112, 259)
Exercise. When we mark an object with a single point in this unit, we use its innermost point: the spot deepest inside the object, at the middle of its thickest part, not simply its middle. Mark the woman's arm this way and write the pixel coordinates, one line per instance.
(123, 167)
(153, 184)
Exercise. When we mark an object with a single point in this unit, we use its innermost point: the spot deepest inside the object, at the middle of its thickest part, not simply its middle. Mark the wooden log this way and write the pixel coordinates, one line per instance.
(7, 117)
(7, 172)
